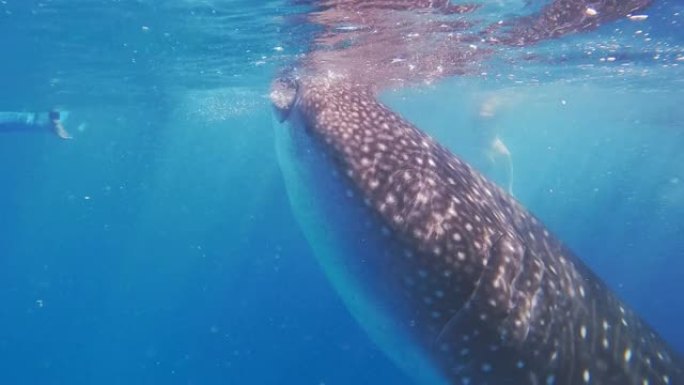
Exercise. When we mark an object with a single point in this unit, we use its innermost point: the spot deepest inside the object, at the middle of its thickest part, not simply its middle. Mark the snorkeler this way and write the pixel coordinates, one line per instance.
(34, 122)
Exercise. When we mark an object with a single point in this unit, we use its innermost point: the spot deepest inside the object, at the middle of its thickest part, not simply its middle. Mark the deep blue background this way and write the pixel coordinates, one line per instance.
(158, 245)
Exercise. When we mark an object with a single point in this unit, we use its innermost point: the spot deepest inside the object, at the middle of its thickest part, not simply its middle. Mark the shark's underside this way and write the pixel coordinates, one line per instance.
(453, 278)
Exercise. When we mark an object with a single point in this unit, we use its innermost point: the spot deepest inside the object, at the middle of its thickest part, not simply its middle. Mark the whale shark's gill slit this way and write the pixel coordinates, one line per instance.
(409, 206)
(474, 307)
(526, 287)
(464, 312)
(569, 336)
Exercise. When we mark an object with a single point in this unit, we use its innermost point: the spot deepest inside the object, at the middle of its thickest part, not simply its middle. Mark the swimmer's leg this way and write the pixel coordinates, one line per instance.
(58, 128)
(56, 124)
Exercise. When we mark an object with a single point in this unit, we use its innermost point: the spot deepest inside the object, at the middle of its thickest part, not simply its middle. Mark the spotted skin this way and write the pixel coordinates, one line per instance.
(480, 289)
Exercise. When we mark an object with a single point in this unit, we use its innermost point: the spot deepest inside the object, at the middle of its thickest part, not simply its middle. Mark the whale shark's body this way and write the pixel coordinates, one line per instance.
(449, 275)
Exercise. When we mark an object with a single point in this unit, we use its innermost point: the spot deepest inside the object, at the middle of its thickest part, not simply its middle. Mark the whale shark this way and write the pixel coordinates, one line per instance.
(449, 275)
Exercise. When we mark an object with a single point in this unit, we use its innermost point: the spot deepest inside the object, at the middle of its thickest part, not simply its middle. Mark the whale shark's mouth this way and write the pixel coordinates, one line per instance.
(284, 96)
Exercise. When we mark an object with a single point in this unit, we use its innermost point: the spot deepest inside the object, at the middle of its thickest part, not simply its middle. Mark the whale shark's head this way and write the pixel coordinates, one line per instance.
(336, 115)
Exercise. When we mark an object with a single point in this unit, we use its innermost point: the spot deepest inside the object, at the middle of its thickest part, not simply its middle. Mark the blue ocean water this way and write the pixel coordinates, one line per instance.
(158, 245)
